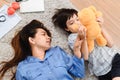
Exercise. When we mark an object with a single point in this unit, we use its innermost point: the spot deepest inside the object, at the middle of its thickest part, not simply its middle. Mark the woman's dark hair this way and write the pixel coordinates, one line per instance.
(61, 16)
(21, 45)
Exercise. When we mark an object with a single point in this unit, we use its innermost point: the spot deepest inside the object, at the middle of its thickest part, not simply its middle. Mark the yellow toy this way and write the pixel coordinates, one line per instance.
(88, 17)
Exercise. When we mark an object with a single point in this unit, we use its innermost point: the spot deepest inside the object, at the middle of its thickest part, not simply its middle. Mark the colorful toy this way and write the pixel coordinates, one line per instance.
(88, 17)
(11, 10)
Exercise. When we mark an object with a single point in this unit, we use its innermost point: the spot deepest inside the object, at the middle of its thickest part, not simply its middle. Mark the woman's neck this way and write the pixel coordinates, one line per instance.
(39, 53)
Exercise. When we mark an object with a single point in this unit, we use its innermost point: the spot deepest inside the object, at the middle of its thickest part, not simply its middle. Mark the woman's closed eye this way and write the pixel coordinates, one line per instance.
(43, 33)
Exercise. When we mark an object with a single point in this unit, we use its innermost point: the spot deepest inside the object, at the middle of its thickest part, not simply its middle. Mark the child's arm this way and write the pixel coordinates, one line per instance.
(77, 47)
(100, 20)
(107, 37)
(84, 46)
(104, 32)
(85, 49)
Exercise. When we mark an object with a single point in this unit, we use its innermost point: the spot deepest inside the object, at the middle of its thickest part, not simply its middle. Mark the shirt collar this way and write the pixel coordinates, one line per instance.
(35, 59)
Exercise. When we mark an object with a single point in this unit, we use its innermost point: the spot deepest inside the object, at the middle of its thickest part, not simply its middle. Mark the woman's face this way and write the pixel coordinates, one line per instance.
(73, 24)
(41, 39)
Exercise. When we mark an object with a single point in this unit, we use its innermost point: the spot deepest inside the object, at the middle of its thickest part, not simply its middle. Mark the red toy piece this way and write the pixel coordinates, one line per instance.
(15, 5)
(11, 10)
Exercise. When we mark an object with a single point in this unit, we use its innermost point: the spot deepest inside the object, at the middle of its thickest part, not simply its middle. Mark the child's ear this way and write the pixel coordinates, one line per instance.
(67, 29)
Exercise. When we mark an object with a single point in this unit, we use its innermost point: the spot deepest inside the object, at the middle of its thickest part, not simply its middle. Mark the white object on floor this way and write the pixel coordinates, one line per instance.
(32, 6)
(11, 21)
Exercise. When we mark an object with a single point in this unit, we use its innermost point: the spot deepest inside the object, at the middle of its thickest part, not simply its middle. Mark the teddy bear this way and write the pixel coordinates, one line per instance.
(88, 17)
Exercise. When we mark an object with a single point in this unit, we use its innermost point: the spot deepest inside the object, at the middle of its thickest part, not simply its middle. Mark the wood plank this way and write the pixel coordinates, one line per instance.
(111, 14)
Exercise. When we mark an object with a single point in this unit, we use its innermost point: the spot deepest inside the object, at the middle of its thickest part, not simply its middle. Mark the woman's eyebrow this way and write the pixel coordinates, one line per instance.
(43, 32)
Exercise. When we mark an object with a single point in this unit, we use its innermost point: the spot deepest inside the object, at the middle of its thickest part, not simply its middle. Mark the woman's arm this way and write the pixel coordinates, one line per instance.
(74, 65)
(19, 76)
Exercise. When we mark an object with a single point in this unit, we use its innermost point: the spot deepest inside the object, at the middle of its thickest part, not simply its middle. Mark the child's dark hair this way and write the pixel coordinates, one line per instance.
(61, 16)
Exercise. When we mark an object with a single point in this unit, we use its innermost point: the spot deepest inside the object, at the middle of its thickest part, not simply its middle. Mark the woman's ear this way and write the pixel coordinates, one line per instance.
(31, 40)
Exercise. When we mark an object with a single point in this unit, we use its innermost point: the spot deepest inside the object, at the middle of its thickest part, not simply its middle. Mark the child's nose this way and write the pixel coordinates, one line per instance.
(78, 22)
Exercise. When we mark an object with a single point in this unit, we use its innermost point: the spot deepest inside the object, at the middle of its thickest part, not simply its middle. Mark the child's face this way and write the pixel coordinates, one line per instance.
(73, 24)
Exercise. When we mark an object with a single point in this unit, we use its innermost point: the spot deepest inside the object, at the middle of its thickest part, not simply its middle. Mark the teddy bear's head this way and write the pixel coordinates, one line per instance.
(88, 15)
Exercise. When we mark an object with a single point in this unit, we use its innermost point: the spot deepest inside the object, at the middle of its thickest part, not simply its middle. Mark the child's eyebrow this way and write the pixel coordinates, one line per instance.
(70, 20)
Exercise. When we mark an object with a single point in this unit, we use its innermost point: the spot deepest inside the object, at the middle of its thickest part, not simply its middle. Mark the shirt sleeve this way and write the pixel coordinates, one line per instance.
(19, 76)
(74, 65)
(71, 40)
(78, 67)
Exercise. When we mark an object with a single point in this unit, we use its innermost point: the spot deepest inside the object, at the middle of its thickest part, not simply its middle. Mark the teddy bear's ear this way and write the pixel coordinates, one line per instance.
(86, 15)
(92, 8)
(97, 13)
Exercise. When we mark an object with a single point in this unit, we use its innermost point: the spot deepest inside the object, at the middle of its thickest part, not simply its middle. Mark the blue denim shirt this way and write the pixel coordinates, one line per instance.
(57, 65)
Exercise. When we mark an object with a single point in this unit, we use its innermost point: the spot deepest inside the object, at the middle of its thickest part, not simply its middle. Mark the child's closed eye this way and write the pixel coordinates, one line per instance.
(71, 23)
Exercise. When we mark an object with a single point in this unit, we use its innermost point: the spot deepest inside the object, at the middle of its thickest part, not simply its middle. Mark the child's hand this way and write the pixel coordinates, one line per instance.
(77, 47)
(79, 41)
(82, 32)
(100, 20)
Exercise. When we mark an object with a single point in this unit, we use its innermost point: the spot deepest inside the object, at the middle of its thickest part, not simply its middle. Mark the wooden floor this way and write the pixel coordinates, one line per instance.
(111, 14)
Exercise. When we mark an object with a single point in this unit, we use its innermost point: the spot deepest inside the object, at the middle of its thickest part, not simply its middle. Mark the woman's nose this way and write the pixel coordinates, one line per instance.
(48, 37)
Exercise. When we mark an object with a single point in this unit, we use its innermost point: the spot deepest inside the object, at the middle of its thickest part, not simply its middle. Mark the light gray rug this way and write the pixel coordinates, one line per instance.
(59, 37)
